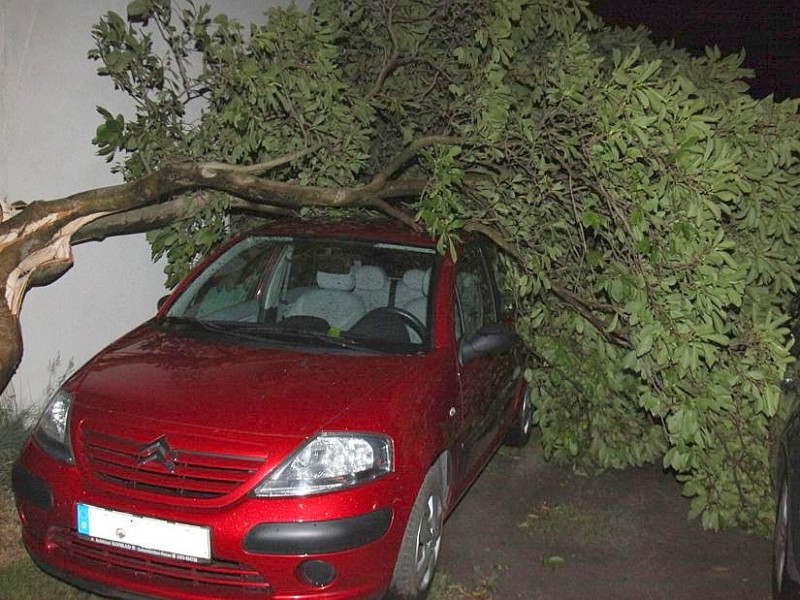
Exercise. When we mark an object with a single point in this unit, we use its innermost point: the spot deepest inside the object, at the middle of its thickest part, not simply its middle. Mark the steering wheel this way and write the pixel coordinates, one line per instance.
(408, 318)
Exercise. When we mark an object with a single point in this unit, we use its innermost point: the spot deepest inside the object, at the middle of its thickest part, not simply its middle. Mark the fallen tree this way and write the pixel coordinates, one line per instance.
(36, 238)
(646, 204)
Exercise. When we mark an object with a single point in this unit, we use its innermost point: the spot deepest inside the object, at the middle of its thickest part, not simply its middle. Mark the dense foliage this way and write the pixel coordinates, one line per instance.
(647, 203)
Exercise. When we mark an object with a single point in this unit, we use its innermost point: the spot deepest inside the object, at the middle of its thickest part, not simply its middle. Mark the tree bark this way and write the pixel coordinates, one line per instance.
(10, 344)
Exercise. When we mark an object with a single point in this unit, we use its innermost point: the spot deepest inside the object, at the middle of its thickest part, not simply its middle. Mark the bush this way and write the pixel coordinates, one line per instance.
(14, 428)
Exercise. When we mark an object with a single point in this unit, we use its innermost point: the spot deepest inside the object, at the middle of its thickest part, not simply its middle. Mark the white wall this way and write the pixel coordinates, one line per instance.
(48, 94)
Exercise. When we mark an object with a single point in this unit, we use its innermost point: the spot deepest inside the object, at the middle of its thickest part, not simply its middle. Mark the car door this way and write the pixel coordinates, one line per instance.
(486, 382)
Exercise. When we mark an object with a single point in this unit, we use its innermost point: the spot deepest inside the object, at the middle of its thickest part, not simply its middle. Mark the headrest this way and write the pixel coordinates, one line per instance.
(336, 281)
(417, 279)
(371, 277)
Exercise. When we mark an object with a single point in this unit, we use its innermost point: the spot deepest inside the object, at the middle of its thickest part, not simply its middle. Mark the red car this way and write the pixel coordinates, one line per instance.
(296, 422)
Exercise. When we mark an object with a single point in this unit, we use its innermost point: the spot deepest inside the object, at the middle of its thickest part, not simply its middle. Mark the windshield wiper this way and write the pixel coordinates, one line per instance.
(341, 342)
(293, 334)
(216, 327)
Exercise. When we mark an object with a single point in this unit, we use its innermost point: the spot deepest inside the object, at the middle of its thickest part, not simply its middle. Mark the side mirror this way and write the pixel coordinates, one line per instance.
(489, 339)
(161, 301)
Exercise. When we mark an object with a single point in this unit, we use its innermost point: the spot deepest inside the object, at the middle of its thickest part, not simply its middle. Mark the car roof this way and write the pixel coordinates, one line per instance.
(368, 229)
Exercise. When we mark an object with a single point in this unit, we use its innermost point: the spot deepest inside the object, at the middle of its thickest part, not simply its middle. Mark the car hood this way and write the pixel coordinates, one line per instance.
(161, 376)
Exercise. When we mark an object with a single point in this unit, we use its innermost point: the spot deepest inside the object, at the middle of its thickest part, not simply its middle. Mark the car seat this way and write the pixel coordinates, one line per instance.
(412, 293)
(332, 300)
(372, 286)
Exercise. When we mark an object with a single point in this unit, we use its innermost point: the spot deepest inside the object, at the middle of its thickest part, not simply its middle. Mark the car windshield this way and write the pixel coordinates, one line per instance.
(371, 296)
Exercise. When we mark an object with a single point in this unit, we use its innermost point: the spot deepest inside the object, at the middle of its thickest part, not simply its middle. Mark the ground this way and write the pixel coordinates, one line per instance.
(533, 530)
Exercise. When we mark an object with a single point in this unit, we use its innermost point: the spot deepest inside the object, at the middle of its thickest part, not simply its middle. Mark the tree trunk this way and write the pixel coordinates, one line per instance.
(10, 344)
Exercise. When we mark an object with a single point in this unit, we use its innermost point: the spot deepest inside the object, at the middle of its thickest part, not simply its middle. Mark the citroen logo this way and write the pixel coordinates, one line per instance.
(158, 451)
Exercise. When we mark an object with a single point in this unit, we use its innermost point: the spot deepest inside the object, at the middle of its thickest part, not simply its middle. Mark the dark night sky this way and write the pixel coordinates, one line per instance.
(768, 30)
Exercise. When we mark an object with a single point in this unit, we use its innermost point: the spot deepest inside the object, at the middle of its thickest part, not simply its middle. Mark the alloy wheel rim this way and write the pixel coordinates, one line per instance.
(781, 531)
(429, 540)
(526, 415)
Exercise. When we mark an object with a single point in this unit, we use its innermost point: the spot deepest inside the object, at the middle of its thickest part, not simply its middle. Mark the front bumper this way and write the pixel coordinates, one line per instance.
(349, 555)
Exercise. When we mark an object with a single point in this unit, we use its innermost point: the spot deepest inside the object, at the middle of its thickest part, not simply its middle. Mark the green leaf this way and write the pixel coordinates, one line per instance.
(554, 562)
(138, 10)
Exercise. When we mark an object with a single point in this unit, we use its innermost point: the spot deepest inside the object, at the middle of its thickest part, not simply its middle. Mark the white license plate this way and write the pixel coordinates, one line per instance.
(144, 534)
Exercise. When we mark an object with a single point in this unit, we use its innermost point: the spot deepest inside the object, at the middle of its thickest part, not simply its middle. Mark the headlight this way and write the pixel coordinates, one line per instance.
(328, 462)
(52, 430)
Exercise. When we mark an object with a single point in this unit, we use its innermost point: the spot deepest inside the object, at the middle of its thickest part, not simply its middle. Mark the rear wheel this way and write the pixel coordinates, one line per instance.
(780, 543)
(419, 551)
(520, 431)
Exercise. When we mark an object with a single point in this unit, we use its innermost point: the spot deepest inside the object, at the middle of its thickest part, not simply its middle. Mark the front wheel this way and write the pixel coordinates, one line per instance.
(780, 543)
(419, 550)
(520, 431)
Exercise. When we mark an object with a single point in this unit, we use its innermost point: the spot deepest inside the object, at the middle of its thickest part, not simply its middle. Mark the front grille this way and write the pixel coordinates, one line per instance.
(217, 579)
(159, 469)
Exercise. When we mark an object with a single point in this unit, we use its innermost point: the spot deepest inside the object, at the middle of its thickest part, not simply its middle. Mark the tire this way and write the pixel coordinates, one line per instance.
(520, 431)
(422, 540)
(780, 544)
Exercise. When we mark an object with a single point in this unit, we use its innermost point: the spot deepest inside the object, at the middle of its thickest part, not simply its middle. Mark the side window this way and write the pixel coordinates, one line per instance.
(474, 292)
(500, 272)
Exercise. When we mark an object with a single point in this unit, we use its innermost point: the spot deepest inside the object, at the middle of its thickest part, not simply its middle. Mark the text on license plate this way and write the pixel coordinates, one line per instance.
(144, 534)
